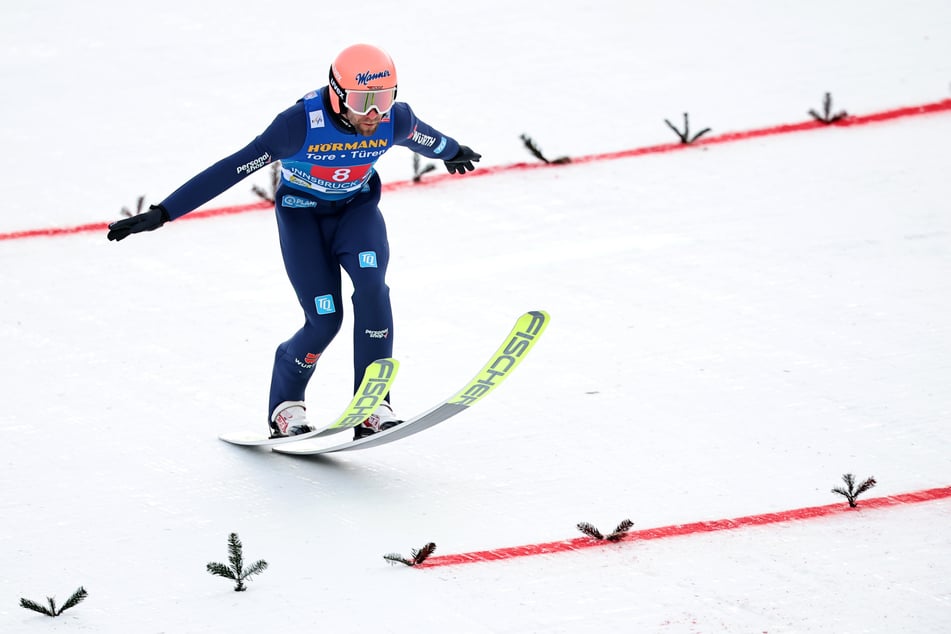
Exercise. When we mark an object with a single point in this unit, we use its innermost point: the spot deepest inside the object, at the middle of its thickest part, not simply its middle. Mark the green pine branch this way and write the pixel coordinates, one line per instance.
(221, 570)
(851, 492)
(590, 530)
(139, 205)
(685, 137)
(418, 556)
(615, 536)
(76, 598)
(827, 117)
(50, 609)
(419, 171)
(537, 153)
(236, 571)
(620, 531)
(271, 193)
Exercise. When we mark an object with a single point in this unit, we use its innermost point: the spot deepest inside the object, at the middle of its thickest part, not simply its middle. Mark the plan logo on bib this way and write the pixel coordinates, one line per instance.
(297, 202)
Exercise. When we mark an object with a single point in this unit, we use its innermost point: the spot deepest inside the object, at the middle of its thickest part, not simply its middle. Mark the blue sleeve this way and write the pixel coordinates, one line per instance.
(281, 139)
(410, 131)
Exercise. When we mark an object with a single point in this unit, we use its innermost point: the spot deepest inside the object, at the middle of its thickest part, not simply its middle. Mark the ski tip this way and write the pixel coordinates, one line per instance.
(534, 321)
(542, 315)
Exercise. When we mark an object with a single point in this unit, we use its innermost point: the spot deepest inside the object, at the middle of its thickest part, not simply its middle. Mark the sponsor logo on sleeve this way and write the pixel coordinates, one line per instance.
(254, 165)
(378, 334)
(310, 359)
(422, 139)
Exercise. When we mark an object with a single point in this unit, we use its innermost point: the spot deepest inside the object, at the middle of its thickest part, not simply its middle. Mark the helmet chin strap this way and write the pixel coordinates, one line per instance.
(345, 122)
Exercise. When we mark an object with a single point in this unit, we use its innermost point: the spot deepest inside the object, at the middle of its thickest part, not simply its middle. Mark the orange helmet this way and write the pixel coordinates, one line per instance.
(368, 72)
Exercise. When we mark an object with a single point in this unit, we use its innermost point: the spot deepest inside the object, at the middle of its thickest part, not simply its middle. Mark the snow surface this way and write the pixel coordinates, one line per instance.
(733, 328)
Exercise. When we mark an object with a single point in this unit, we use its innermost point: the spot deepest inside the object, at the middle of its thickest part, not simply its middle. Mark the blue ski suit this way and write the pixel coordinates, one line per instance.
(327, 217)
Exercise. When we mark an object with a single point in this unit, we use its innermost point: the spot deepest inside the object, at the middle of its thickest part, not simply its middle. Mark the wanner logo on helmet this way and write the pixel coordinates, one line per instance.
(365, 78)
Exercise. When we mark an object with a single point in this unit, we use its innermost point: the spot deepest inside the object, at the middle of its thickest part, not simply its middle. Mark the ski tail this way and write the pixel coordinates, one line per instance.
(377, 380)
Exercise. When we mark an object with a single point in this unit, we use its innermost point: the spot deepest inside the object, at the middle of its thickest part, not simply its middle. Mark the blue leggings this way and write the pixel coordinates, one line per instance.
(316, 242)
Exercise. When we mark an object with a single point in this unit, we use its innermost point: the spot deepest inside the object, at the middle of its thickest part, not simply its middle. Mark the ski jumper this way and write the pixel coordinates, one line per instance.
(328, 218)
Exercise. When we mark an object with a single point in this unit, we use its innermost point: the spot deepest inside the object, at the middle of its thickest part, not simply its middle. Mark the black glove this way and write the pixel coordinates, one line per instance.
(152, 219)
(462, 161)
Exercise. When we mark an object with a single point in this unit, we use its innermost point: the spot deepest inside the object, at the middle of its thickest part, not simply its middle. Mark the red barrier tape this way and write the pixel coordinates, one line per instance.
(813, 512)
(729, 137)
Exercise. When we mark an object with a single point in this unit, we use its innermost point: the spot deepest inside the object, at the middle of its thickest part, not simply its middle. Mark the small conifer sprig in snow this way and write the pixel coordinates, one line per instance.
(537, 153)
(271, 193)
(616, 536)
(827, 117)
(139, 204)
(851, 492)
(236, 571)
(418, 171)
(51, 609)
(685, 137)
(418, 556)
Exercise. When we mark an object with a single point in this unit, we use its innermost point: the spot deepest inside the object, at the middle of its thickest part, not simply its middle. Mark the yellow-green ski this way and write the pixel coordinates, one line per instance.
(377, 379)
(528, 329)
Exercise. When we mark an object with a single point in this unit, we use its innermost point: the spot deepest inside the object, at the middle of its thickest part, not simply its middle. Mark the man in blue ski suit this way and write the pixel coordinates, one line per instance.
(327, 217)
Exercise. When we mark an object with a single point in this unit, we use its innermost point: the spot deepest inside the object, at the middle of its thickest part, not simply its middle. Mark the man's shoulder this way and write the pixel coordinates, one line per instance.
(403, 119)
